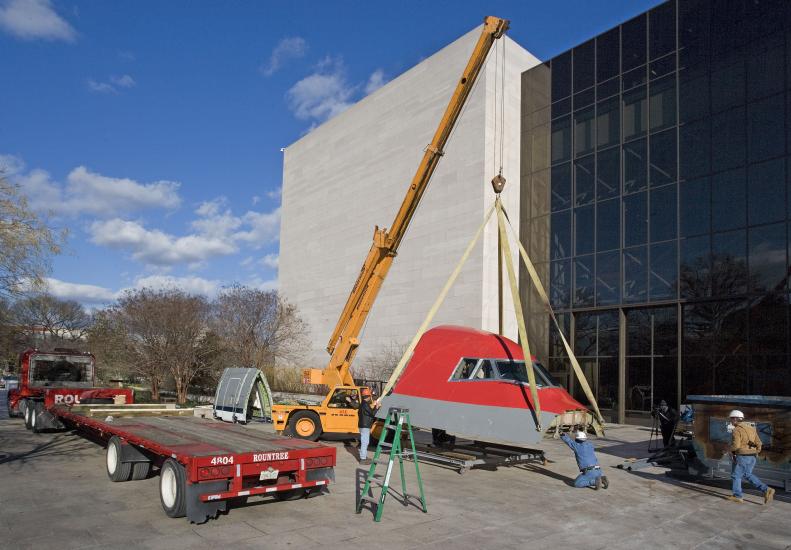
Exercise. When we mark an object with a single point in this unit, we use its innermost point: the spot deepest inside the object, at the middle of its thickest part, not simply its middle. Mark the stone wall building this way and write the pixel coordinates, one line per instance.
(351, 173)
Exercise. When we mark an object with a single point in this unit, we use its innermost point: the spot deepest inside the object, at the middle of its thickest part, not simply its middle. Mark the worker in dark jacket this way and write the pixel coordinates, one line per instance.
(668, 418)
(590, 471)
(366, 415)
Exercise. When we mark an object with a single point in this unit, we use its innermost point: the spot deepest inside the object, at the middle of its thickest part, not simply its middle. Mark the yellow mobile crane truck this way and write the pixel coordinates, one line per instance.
(333, 415)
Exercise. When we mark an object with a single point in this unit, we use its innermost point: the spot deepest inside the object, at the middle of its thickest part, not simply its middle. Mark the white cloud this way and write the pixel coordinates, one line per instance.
(88, 192)
(112, 85)
(293, 47)
(100, 87)
(327, 92)
(85, 294)
(212, 207)
(375, 81)
(262, 284)
(263, 227)
(98, 194)
(217, 233)
(248, 261)
(216, 219)
(123, 81)
(98, 295)
(275, 193)
(190, 285)
(270, 260)
(323, 94)
(155, 247)
(34, 19)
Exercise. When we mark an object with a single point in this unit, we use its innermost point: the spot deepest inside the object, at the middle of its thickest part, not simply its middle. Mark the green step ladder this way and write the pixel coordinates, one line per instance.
(397, 421)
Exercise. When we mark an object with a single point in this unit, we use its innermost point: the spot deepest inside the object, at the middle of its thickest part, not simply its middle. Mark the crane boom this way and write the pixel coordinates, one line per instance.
(343, 343)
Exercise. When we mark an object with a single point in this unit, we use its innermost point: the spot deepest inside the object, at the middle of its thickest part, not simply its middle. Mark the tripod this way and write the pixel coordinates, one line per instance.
(655, 441)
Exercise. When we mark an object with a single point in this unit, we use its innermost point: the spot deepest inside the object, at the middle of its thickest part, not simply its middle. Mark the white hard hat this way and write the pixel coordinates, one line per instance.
(736, 414)
(582, 436)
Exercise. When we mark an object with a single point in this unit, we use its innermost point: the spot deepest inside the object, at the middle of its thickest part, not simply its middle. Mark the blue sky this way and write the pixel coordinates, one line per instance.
(152, 130)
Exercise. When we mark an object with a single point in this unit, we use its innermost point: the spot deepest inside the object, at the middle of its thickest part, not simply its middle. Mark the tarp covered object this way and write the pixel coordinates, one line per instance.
(243, 395)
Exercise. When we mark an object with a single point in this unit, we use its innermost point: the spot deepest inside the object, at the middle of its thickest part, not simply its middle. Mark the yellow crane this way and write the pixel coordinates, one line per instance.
(334, 415)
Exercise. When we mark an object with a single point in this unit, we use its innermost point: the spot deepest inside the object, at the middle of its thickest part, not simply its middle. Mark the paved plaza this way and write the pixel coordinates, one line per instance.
(54, 493)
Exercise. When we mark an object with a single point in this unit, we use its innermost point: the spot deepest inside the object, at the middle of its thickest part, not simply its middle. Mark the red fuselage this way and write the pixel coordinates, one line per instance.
(484, 401)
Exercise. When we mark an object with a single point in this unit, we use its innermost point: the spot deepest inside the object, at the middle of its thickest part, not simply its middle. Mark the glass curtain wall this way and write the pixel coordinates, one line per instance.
(655, 177)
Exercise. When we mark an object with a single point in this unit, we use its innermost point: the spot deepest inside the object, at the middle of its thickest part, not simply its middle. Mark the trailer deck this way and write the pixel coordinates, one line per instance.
(203, 463)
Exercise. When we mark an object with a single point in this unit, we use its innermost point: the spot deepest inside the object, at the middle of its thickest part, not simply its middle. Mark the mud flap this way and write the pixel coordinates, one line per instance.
(130, 453)
(198, 511)
(48, 421)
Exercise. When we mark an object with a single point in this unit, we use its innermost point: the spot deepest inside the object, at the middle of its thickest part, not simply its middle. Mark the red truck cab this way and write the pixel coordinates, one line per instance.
(58, 377)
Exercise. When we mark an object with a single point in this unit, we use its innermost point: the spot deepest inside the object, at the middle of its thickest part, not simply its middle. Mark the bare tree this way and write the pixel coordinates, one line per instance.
(108, 342)
(26, 243)
(166, 330)
(59, 321)
(257, 327)
(9, 342)
(380, 366)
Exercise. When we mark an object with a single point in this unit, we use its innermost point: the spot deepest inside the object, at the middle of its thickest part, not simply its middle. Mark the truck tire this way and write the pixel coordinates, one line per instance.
(14, 413)
(173, 488)
(35, 409)
(304, 425)
(26, 414)
(117, 470)
(140, 470)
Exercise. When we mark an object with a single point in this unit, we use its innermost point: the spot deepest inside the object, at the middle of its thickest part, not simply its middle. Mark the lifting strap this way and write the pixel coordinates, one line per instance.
(503, 221)
(520, 316)
(435, 307)
(545, 300)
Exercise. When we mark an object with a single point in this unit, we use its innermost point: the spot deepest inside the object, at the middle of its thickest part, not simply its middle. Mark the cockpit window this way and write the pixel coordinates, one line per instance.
(473, 368)
(464, 369)
(485, 371)
(515, 370)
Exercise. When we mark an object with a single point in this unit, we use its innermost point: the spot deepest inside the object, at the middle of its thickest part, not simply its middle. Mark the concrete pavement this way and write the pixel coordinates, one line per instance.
(54, 492)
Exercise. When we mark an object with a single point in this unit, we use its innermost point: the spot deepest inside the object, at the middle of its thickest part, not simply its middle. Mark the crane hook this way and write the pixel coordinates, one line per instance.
(498, 183)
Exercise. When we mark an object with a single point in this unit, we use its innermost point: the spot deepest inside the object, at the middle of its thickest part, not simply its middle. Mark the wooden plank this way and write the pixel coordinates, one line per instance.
(140, 412)
(97, 406)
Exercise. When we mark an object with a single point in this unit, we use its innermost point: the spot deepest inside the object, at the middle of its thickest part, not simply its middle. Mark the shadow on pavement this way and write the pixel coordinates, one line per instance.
(52, 447)
(544, 472)
(717, 488)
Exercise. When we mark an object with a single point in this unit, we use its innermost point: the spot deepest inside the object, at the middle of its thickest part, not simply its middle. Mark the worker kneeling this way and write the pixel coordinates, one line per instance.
(590, 471)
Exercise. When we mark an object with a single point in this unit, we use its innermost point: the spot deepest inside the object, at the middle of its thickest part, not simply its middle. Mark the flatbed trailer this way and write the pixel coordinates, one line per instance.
(202, 463)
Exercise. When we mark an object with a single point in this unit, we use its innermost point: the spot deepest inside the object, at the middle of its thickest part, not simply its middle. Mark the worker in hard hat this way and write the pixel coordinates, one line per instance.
(745, 446)
(590, 471)
(366, 415)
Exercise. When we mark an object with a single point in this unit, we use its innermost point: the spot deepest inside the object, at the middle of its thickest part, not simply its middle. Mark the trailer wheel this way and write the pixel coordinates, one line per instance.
(305, 425)
(172, 489)
(117, 470)
(291, 494)
(140, 470)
